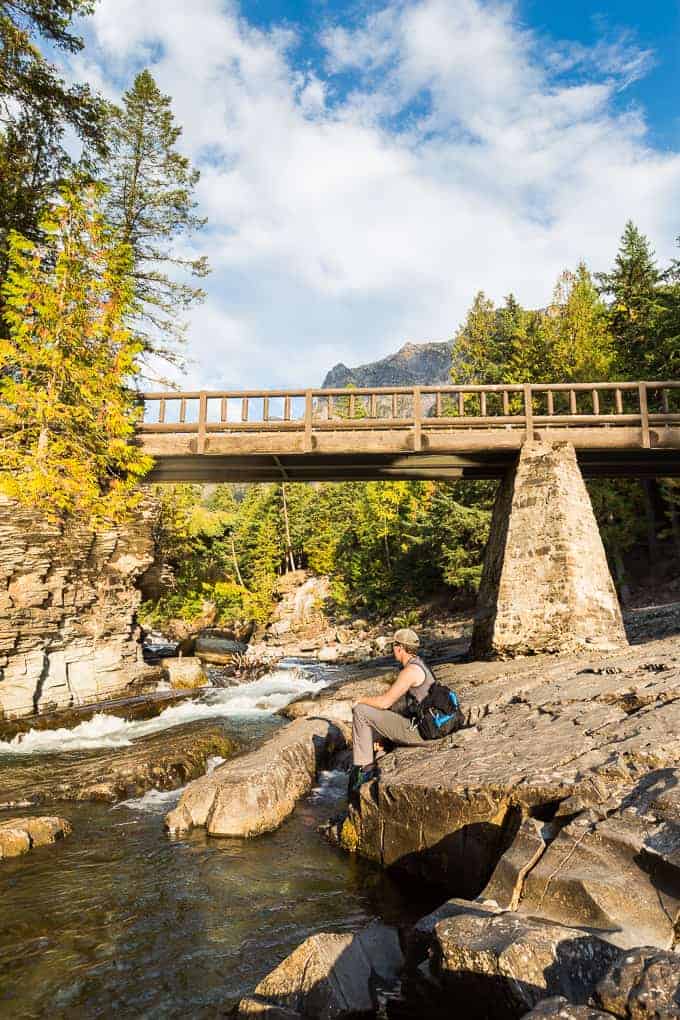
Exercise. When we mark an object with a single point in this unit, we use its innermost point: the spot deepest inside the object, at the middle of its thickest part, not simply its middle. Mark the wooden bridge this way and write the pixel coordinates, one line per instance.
(617, 428)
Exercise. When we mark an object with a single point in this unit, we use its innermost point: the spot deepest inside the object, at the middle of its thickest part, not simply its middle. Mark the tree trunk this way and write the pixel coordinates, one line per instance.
(652, 542)
(236, 567)
(289, 545)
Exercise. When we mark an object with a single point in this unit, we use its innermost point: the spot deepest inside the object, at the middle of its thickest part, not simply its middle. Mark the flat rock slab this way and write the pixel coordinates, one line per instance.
(549, 736)
(500, 964)
(19, 835)
(333, 976)
(163, 761)
(336, 700)
(254, 793)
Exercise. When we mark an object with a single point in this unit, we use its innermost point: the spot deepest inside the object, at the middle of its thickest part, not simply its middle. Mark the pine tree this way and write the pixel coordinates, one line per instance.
(66, 413)
(633, 290)
(36, 107)
(151, 203)
(473, 348)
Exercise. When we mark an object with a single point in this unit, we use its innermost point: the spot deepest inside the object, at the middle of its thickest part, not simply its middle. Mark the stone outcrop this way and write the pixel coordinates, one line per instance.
(254, 793)
(19, 835)
(546, 585)
(559, 798)
(330, 976)
(67, 610)
(162, 761)
(495, 963)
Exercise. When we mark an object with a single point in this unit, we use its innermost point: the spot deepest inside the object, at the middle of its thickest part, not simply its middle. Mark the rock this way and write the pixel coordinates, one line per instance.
(548, 740)
(560, 1009)
(506, 884)
(643, 983)
(619, 874)
(185, 673)
(252, 1006)
(546, 584)
(217, 650)
(19, 835)
(68, 601)
(335, 976)
(279, 627)
(500, 964)
(187, 646)
(328, 653)
(382, 643)
(162, 761)
(359, 624)
(254, 793)
(335, 701)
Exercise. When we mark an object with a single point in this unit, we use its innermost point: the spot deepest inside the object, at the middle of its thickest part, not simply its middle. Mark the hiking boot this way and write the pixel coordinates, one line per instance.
(358, 775)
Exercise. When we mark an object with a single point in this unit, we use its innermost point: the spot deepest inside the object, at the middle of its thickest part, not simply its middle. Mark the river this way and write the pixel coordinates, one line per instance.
(120, 919)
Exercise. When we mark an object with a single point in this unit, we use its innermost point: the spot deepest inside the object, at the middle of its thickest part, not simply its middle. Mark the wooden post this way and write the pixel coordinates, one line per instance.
(374, 405)
(551, 402)
(644, 415)
(286, 408)
(202, 421)
(417, 419)
(161, 411)
(438, 400)
(223, 409)
(596, 402)
(482, 403)
(182, 411)
(528, 411)
(618, 399)
(244, 409)
(309, 411)
(461, 403)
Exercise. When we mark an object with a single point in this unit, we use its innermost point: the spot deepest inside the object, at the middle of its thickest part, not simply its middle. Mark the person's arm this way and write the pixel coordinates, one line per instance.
(405, 680)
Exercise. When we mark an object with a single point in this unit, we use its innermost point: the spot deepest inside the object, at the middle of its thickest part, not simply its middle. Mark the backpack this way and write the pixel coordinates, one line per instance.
(438, 714)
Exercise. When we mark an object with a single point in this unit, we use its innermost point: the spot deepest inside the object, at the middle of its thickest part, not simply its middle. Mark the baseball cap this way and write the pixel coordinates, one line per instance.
(406, 636)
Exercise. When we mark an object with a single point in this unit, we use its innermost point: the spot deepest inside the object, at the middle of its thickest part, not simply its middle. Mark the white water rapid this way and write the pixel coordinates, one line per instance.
(261, 697)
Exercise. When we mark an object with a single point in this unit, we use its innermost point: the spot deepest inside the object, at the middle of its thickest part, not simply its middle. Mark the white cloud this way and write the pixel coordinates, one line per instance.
(468, 155)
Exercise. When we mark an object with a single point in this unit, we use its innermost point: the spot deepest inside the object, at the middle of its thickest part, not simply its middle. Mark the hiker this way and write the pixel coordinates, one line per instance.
(375, 717)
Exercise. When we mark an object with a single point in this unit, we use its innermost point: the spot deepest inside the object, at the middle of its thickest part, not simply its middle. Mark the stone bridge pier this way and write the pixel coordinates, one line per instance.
(546, 585)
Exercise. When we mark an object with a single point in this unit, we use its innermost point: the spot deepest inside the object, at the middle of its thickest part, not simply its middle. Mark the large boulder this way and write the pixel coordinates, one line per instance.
(641, 984)
(184, 673)
(499, 964)
(19, 835)
(254, 793)
(332, 976)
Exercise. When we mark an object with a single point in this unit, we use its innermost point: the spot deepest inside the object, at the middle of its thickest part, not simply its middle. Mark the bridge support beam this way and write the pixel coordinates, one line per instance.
(546, 585)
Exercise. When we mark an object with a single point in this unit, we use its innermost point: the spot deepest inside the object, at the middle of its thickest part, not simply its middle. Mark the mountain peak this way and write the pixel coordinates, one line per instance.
(427, 364)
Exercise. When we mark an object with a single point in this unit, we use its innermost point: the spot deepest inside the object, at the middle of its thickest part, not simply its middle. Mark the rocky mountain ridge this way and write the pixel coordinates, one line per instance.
(427, 364)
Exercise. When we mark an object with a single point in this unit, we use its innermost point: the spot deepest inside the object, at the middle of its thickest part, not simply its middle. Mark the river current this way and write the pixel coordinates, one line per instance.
(121, 919)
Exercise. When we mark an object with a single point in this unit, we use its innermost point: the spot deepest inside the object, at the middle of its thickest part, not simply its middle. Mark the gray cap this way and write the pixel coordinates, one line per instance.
(406, 637)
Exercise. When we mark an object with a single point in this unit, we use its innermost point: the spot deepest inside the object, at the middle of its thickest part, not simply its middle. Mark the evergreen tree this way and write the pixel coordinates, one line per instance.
(473, 348)
(582, 347)
(633, 291)
(151, 203)
(66, 414)
(36, 107)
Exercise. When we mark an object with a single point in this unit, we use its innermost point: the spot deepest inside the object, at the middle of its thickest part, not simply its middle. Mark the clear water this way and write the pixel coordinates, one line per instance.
(120, 919)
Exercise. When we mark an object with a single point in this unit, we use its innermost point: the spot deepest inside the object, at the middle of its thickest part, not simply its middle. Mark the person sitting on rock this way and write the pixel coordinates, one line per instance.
(373, 718)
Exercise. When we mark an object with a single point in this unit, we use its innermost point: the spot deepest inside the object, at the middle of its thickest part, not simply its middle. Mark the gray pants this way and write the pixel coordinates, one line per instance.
(368, 722)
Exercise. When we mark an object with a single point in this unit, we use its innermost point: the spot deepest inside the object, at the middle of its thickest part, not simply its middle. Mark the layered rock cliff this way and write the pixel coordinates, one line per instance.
(68, 600)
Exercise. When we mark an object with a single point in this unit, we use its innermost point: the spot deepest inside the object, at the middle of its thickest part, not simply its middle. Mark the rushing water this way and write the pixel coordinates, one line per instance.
(120, 919)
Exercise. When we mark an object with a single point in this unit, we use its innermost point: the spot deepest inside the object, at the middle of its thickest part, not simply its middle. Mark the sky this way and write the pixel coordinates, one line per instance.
(367, 167)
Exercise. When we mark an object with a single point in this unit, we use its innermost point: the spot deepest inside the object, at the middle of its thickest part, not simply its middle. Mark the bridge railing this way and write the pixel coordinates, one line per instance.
(416, 408)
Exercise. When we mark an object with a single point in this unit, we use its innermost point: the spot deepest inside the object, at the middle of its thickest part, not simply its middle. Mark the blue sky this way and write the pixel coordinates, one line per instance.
(367, 167)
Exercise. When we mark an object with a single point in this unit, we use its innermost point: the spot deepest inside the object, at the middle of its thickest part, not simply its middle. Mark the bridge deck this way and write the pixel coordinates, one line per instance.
(618, 429)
